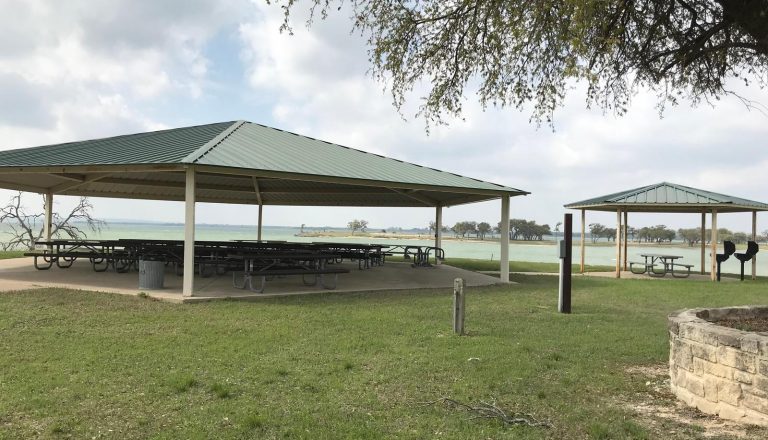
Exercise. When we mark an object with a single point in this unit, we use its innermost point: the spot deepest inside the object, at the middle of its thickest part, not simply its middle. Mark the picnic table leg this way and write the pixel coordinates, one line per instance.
(335, 282)
(314, 281)
(653, 273)
(68, 261)
(261, 287)
(47, 260)
(245, 274)
(687, 274)
(95, 262)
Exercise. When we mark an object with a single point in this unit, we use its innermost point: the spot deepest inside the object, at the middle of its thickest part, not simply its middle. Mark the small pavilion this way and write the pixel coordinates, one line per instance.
(240, 162)
(667, 197)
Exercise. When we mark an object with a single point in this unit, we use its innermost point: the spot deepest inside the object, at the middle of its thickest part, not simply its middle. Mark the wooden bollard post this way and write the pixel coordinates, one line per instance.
(458, 306)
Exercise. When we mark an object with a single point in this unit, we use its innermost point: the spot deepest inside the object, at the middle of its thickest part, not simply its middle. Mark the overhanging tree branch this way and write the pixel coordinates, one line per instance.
(25, 228)
(528, 54)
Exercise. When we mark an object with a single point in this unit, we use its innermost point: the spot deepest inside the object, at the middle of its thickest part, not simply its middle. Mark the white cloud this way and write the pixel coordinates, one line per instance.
(97, 64)
(81, 69)
(87, 69)
(317, 81)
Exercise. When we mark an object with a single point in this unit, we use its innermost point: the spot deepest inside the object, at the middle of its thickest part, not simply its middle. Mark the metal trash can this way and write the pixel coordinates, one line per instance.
(151, 274)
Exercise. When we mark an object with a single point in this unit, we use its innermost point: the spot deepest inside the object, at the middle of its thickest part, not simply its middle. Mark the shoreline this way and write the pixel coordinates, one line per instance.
(490, 240)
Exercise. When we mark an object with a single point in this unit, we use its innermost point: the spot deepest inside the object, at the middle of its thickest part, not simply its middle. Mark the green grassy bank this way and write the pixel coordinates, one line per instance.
(93, 365)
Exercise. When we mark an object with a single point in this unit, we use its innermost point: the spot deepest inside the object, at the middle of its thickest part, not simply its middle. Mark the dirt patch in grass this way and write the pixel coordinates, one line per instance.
(756, 324)
(667, 417)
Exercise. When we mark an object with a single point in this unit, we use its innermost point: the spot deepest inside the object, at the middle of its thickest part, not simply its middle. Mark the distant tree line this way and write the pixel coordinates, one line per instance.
(479, 230)
(663, 234)
(357, 225)
(654, 234)
(519, 229)
(692, 236)
(598, 231)
(528, 230)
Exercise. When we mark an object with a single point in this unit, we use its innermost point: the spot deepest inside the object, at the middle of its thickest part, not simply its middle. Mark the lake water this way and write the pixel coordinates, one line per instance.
(598, 255)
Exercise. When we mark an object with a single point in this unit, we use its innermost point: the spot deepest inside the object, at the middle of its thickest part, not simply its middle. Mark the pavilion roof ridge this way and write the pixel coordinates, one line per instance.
(616, 197)
(626, 195)
(198, 154)
(667, 195)
(713, 196)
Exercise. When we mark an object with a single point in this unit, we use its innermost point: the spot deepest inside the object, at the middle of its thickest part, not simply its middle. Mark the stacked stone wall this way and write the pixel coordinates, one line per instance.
(717, 369)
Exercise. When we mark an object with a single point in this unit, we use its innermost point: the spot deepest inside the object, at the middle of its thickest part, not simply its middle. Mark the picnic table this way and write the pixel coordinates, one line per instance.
(63, 253)
(265, 265)
(418, 254)
(667, 262)
(367, 255)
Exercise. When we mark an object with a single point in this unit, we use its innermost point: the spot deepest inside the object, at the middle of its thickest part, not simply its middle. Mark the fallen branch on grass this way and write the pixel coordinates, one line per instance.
(484, 410)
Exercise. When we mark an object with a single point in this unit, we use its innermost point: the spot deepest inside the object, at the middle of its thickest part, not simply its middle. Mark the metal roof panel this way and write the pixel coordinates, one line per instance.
(258, 147)
(242, 145)
(668, 196)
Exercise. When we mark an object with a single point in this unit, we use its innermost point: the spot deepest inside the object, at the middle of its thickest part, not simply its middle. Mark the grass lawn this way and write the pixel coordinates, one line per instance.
(92, 365)
(4, 255)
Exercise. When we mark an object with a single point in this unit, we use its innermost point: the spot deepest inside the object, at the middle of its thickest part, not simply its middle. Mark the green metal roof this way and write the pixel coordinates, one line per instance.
(156, 147)
(255, 146)
(668, 197)
(290, 169)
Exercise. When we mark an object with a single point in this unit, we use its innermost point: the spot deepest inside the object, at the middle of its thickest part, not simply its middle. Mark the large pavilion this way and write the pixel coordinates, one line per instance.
(240, 162)
(667, 197)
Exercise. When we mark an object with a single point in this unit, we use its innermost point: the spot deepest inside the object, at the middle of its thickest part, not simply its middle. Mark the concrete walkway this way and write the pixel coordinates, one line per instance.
(20, 274)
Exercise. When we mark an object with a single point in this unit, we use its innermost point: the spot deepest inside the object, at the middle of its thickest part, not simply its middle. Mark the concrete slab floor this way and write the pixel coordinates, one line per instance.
(20, 274)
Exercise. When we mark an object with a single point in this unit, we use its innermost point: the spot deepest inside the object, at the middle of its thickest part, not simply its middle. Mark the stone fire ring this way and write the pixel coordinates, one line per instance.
(720, 370)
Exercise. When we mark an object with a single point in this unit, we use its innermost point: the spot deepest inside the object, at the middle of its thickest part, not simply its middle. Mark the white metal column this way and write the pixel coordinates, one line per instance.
(504, 240)
(261, 212)
(703, 241)
(48, 226)
(583, 236)
(624, 235)
(713, 249)
(618, 243)
(189, 234)
(754, 238)
(438, 230)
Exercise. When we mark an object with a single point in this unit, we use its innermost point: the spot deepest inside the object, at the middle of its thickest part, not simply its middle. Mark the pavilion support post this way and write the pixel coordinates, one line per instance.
(754, 238)
(618, 243)
(261, 217)
(504, 240)
(713, 248)
(583, 234)
(48, 226)
(703, 242)
(625, 233)
(438, 230)
(189, 234)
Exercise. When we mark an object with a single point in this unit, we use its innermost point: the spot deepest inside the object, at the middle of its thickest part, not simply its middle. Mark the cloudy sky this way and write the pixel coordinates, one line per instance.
(80, 69)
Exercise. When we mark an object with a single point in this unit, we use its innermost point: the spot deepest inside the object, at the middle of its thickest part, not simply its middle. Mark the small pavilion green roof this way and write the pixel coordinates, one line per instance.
(226, 152)
(668, 197)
